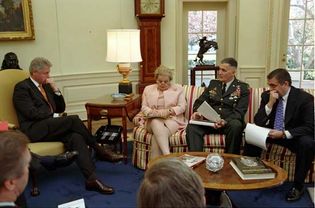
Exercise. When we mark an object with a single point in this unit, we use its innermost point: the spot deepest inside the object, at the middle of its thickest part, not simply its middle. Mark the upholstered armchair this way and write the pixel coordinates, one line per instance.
(8, 79)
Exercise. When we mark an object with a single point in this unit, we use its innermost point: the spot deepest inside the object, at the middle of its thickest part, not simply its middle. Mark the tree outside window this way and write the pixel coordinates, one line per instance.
(201, 24)
(300, 52)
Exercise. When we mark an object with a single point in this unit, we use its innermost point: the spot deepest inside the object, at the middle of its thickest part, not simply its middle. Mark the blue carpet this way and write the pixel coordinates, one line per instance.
(67, 184)
(274, 197)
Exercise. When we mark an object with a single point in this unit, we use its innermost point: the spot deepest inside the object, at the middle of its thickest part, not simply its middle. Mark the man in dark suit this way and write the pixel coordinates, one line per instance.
(14, 162)
(289, 112)
(228, 96)
(37, 100)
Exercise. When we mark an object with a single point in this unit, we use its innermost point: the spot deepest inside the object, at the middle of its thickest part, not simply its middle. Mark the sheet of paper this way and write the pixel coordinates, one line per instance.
(256, 135)
(203, 123)
(208, 112)
(73, 204)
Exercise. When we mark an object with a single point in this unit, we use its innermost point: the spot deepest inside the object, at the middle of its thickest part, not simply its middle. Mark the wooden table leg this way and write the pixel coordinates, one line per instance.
(125, 145)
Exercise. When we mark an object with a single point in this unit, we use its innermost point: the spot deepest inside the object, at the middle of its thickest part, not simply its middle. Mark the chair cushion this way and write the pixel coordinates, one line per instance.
(47, 148)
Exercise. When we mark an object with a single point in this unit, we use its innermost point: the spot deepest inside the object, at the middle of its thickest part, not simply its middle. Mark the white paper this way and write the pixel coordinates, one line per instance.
(256, 135)
(73, 204)
(191, 160)
(203, 123)
(208, 112)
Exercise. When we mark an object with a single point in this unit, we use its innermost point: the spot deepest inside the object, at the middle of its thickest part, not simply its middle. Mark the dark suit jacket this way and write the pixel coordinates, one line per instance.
(232, 104)
(299, 113)
(31, 106)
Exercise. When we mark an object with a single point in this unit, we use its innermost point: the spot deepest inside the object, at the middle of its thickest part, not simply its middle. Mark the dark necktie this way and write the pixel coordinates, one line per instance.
(278, 125)
(223, 88)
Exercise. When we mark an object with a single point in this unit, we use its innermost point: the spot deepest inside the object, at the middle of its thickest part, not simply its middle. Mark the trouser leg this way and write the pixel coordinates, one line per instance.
(233, 136)
(251, 150)
(76, 142)
(60, 127)
(303, 147)
(304, 158)
(194, 136)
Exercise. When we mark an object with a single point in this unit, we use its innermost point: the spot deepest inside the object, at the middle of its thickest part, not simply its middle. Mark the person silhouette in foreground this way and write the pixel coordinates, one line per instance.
(14, 162)
(171, 183)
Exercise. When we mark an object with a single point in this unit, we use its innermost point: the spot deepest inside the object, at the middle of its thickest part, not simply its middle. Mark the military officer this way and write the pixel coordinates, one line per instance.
(228, 96)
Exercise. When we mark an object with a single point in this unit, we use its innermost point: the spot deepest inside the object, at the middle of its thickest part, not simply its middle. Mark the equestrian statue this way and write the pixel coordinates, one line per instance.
(205, 45)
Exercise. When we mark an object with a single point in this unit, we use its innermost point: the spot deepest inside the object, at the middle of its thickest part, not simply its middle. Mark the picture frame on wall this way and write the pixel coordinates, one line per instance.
(16, 20)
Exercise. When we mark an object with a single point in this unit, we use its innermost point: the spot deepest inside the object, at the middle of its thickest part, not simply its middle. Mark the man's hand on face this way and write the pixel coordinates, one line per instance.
(273, 96)
(52, 84)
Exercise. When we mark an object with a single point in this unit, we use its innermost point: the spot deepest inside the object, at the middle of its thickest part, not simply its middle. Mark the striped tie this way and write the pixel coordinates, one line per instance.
(278, 125)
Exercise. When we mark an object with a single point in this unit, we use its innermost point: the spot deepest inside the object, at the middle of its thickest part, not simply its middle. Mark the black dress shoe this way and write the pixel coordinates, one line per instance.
(96, 185)
(107, 155)
(54, 162)
(294, 194)
(66, 158)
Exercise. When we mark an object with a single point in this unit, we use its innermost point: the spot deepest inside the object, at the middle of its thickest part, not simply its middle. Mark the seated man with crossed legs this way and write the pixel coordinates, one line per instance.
(36, 100)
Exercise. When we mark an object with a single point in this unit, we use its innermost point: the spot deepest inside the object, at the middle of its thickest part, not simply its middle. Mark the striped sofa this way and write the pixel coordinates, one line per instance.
(214, 142)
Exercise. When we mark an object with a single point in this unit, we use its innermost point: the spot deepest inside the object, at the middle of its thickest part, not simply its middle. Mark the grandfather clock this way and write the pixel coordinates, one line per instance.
(149, 14)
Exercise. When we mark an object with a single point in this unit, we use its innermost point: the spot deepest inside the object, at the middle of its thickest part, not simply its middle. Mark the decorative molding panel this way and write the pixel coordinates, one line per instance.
(255, 76)
(77, 89)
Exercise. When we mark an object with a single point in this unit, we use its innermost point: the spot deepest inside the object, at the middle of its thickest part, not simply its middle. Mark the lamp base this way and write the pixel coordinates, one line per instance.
(125, 88)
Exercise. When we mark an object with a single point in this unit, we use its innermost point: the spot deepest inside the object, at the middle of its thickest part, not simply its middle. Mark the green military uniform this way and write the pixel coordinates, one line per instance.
(232, 107)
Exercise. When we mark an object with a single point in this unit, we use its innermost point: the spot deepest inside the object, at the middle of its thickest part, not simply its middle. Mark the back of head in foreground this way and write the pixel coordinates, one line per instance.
(171, 183)
(14, 162)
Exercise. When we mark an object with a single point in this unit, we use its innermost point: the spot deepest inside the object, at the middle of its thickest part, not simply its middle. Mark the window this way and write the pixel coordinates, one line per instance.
(202, 25)
(300, 48)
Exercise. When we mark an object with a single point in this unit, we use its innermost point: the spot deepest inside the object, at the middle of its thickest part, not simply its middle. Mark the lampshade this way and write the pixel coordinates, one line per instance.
(123, 45)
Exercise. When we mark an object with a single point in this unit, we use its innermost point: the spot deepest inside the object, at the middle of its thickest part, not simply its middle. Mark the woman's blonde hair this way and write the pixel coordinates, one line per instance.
(163, 70)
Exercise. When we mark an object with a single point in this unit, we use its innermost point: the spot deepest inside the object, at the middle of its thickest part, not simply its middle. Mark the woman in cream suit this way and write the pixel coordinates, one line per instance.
(163, 106)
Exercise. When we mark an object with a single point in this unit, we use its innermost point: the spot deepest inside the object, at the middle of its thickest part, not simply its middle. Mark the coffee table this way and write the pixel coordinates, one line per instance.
(227, 179)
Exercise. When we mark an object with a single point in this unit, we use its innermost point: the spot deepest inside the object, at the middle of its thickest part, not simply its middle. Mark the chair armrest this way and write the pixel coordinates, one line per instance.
(139, 119)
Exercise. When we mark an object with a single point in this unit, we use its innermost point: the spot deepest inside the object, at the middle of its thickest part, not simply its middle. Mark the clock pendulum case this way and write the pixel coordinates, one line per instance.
(149, 14)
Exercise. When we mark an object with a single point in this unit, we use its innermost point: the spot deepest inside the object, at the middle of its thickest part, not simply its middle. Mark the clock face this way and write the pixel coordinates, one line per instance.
(150, 6)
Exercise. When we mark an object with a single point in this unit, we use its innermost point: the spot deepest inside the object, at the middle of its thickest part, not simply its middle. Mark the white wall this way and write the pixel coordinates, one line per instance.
(252, 45)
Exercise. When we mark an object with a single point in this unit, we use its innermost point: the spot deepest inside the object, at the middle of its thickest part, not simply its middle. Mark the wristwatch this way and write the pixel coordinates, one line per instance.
(58, 93)
(284, 136)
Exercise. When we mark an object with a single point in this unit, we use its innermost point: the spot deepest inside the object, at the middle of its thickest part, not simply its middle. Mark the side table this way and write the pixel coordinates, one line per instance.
(105, 105)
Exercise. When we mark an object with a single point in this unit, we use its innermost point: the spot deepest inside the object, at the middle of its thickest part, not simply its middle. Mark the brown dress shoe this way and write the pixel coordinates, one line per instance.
(107, 155)
(97, 185)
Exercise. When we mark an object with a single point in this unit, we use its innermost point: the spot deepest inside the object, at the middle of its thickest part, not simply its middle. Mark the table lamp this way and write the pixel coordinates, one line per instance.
(123, 47)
